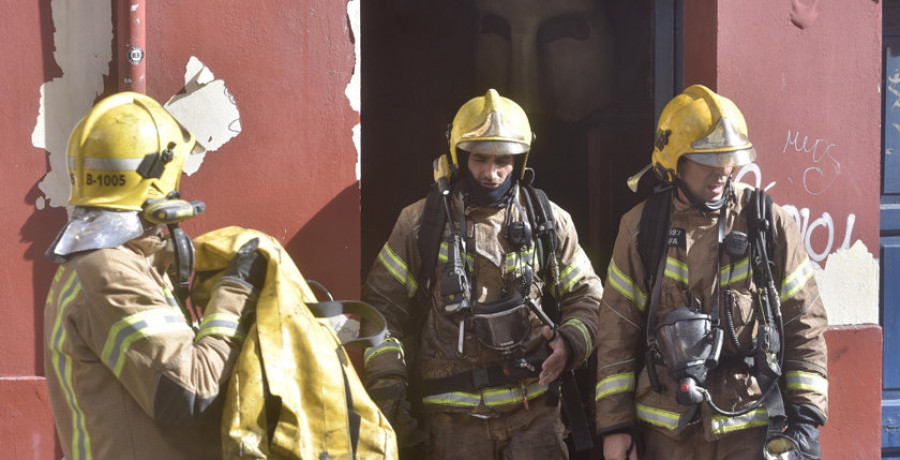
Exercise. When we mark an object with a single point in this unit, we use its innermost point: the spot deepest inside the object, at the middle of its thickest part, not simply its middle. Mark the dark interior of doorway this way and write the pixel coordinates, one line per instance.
(418, 69)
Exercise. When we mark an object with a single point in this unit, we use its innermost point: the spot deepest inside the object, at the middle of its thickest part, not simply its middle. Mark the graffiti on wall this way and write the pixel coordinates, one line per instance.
(820, 230)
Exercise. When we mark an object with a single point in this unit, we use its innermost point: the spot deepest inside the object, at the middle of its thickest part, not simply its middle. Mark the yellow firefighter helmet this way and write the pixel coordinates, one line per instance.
(127, 150)
(490, 124)
(702, 126)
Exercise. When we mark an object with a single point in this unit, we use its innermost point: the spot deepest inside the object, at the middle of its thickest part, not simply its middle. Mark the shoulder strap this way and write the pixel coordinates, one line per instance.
(652, 237)
(544, 225)
(431, 228)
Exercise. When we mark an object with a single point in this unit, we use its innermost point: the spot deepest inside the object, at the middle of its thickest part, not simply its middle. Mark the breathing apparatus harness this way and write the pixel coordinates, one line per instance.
(536, 226)
(688, 341)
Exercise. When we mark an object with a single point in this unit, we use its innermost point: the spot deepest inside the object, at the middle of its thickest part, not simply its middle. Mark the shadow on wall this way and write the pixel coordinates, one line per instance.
(326, 249)
(39, 231)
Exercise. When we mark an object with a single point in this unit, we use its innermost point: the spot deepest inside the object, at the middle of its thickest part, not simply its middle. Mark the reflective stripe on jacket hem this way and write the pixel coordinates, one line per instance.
(658, 417)
(722, 424)
(492, 397)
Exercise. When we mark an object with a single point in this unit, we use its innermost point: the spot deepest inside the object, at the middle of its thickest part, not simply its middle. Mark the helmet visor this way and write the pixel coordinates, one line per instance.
(489, 147)
(724, 159)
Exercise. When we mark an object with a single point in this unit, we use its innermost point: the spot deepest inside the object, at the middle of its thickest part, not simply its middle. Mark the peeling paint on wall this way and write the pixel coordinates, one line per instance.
(353, 88)
(207, 109)
(853, 271)
(829, 240)
(82, 37)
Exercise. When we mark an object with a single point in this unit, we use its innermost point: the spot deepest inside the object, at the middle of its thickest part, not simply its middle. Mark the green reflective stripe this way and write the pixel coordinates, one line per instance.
(221, 324)
(736, 273)
(512, 395)
(442, 253)
(62, 365)
(722, 424)
(585, 334)
(797, 280)
(389, 344)
(517, 260)
(170, 298)
(110, 164)
(491, 397)
(135, 327)
(455, 398)
(397, 267)
(614, 384)
(626, 287)
(568, 277)
(677, 270)
(657, 417)
(806, 381)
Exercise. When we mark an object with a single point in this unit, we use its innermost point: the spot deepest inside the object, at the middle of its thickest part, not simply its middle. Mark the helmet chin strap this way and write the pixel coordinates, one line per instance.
(705, 206)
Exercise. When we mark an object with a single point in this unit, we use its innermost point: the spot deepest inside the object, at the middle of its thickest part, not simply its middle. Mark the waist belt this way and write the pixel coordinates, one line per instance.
(477, 379)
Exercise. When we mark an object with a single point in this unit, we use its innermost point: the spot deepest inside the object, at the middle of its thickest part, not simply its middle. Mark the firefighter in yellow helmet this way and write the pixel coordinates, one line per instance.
(470, 369)
(129, 373)
(714, 325)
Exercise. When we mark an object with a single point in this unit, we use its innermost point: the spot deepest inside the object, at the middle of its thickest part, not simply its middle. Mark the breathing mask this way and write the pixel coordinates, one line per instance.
(690, 346)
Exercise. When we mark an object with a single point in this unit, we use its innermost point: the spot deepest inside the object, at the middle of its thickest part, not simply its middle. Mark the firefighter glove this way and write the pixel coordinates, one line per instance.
(248, 265)
(389, 393)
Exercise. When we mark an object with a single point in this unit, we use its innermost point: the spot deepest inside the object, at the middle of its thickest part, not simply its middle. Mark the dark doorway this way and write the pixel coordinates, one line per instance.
(581, 69)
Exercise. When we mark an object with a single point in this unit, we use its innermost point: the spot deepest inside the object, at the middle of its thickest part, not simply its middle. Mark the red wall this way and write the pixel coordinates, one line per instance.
(291, 172)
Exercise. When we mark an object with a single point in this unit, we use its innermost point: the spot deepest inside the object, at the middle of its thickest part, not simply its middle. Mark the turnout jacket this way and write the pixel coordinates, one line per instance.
(127, 373)
(432, 338)
(624, 394)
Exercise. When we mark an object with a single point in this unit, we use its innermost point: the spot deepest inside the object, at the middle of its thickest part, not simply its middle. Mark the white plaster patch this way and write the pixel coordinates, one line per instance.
(353, 88)
(207, 109)
(849, 286)
(82, 37)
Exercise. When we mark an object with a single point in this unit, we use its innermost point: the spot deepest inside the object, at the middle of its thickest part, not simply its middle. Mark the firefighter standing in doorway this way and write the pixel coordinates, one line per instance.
(466, 331)
(714, 345)
(130, 375)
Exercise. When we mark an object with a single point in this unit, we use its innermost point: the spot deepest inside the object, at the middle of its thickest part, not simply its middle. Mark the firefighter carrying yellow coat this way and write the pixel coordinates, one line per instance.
(294, 392)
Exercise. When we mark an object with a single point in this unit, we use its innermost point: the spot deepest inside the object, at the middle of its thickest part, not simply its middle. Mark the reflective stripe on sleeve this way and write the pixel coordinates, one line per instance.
(676, 270)
(722, 424)
(806, 381)
(658, 417)
(492, 397)
(398, 269)
(585, 334)
(735, 273)
(390, 344)
(795, 281)
(221, 324)
(614, 384)
(623, 285)
(62, 363)
(569, 276)
(135, 327)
